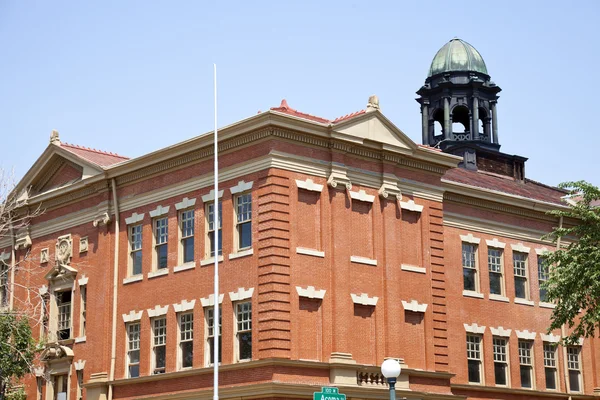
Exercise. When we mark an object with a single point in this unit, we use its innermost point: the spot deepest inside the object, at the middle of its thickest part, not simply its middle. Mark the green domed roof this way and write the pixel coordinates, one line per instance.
(457, 55)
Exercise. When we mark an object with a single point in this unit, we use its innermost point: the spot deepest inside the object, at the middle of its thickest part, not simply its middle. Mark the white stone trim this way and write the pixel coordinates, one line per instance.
(361, 195)
(542, 251)
(308, 184)
(44, 255)
(364, 299)
(470, 293)
(133, 316)
(240, 254)
(131, 279)
(211, 196)
(185, 203)
(495, 243)
(80, 339)
(411, 206)
(159, 211)
(184, 305)
(474, 328)
(242, 186)
(525, 334)
(184, 267)
(500, 331)
(209, 261)
(158, 272)
(413, 268)
(23, 241)
(134, 218)
(83, 281)
(520, 248)
(83, 244)
(363, 260)
(414, 306)
(210, 300)
(339, 177)
(310, 252)
(497, 297)
(79, 365)
(241, 294)
(43, 290)
(524, 302)
(310, 292)
(389, 187)
(158, 311)
(550, 338)
(543, 304)
(470, 239)
(38, 371)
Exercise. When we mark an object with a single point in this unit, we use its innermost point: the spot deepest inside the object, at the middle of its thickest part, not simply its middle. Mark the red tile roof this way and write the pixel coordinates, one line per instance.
(98, 157)
(348, 116)
(286, 109)
(529, 189)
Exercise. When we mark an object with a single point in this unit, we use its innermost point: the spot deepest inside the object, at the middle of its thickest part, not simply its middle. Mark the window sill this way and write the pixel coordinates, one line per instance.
(546, 305)
(523, 302)
(80, 339)
(209, 261)
(363, 260)
(241, 253)
(186, 266)
(413, 268)
(497, 297)
(310, 252)
(470, 293)
(66, 342)
(131, 279)
(160, 272)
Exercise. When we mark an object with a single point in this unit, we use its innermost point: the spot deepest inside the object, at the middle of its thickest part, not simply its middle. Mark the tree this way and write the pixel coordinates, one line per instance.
(17, 350)
(574, 281)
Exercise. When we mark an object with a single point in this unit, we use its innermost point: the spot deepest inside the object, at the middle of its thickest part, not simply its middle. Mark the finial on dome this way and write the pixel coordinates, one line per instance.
(373, 103)
(54, 138)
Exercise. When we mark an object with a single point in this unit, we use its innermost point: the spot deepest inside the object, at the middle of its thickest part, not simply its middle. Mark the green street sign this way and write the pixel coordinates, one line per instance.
(328, 393)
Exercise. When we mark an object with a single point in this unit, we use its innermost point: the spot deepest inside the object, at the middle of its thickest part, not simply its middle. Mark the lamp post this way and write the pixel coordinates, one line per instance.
(391, 370)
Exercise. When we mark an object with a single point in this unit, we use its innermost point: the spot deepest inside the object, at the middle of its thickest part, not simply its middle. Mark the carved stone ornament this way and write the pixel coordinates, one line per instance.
(338, 178)
(83, 244)
(64, 249)
(44, 256)
(23, 240)
(54, 351)
(101, 218)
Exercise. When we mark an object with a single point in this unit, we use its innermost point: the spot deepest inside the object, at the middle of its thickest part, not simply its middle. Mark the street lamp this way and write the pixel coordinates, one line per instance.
(391, 370)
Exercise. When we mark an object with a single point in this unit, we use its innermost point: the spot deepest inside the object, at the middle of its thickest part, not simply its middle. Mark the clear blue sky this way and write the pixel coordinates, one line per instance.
(134, 76)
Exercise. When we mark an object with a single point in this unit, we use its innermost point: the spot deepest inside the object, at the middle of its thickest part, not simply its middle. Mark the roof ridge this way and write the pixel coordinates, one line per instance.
(348, 116)
(285, 108)
(546, 186)
(107, 153)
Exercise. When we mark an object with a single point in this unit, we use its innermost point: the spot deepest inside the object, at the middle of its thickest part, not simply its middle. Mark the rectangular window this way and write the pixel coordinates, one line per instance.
(574, 367)
(550, 365)
(495, 268)
(474, 358)
(469, 261)
(244, 330)
(63, 303)
(161, 237)
(186, 339)
(210, 335)
(4, 288)
(159, 350)
(61, 386)
(543, 275)
(133, 350)
(520, 269)
(187, 235)
(500, 361)
(79, 384)
(135, 242)
(526, 363)
(82, 310)
(244, 221)
(210, 223)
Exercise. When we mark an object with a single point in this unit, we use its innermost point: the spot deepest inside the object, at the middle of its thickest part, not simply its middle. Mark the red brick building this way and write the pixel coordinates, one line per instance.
(343, 243)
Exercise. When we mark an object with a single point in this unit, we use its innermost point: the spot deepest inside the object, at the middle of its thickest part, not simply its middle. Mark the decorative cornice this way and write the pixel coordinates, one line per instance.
(526, 335)
(159, 211)
(520, 248)
(241, 187)
(361, 195)
(542, 251)
(210, 196)
(495, 243)
(158, 311)
(491, 205)
(414, 306)
(308, 184)
(411, 206)
(364, 299)
(550, 338)
(310, 292)
(470, 239)
(210, 300)
(101, 219)
(133, 316)
(339, 177)
(186, 203)
(83, 281)
(134, 218)
(500, 331)
(474, 328)
(79, 365)
(241, 294)
(184, 306)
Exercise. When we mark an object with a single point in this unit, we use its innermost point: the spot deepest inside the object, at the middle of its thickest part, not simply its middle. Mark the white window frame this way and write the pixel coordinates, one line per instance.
(242, 217)
(82, 310)
(496, 268)
(4, 285)
(159, 339)
(135, 232)
(58, 380)
(501, 356)
(185, 335)
(574, 364)
(526, 360)
(64, 320)
(160, 238)
(186, 232)
(551, 362)
(210, 228)
(134, 340)
(543, 275)
(470, 264)
(209, 334)
(79, 378)
(242, 326)
(475, 353)
(521, 272)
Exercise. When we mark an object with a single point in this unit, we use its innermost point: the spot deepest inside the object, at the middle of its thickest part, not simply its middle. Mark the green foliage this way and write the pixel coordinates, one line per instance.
(574, 281)
(17, 394)
(17, 351)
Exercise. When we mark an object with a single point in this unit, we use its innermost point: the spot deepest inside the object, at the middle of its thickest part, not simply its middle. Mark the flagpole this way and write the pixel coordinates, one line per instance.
(216, 327)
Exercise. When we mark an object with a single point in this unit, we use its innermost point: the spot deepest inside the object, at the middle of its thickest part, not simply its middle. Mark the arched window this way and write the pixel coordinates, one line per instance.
(460, 120)
(438, 125)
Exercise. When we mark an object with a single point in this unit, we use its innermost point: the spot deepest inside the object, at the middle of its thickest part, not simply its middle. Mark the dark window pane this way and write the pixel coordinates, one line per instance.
(245, 341)
(550, 378)
(543, 294)
(161, 357)
(495, 283)
(212, 350)
(520, 288)
(162, 256)
(245, 235)
(188, 249)
(137, 263)
(525, 376)
(469, 278)
(134, 371)
(187, 349)
(474, 376)
(211, 237)
(134, 356)
(574, 381)
(500, 373)
(64, 334)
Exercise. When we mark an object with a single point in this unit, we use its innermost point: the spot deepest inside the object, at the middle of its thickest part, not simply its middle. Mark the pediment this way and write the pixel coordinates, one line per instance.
(374, 127)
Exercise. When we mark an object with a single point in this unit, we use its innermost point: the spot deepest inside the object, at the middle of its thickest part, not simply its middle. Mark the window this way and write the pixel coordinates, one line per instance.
(133, 349)
(574, 367)
(82, 310)
(474, 358)
(244, 221)
(543, 275)
(495, 268)
(159, 351)
(161, 237)
(550, 365)
(210, 222)
(39, 383)
(187, 235)
(61, 386)
(520, 268)
(4, 289)
(244, 330)
(135, 242)
(526, 364)
(186, 339)
(63, 303)
(79, 384)
(500, 361)
(210, 335)
(469, 266)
